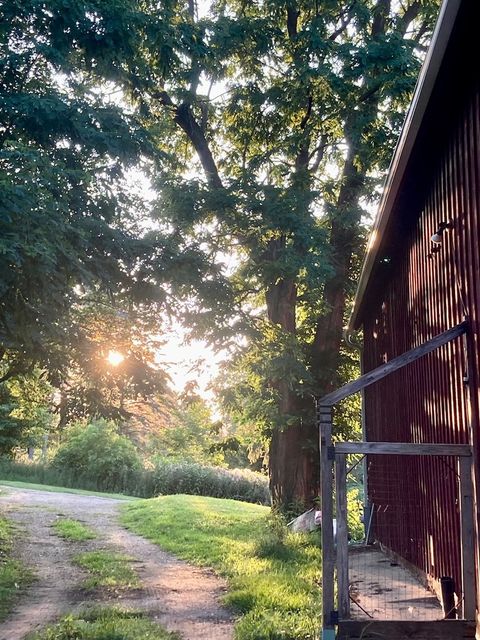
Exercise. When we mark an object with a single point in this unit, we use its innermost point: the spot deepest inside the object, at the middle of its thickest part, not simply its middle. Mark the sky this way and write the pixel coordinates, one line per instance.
(186, 362)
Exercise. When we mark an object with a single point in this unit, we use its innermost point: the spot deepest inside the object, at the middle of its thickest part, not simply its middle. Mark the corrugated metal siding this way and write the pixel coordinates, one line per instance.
(429, 400)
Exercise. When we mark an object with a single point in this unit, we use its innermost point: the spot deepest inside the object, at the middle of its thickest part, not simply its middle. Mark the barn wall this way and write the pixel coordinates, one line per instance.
(436, 398)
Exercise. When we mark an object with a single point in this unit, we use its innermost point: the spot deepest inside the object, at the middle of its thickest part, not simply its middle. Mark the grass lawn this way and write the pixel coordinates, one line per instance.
(273, 575)
(105, 624)
(54, 489)
(107, 569)
(73, 530)
(13, 576)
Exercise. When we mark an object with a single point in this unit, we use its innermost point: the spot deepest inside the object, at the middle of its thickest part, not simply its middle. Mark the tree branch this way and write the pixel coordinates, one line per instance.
(186, 121)
(409, 16)
(344, 24)
(318, 152)
(183, 116)
(308, 113)
(292, 19)
(380, 14)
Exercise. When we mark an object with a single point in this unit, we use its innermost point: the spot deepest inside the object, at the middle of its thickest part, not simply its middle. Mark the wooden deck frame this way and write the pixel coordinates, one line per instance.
(328, 455)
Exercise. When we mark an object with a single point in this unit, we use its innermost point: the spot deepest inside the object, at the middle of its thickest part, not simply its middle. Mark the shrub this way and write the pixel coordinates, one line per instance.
(191, 478)
(96, 451)
(96, 457)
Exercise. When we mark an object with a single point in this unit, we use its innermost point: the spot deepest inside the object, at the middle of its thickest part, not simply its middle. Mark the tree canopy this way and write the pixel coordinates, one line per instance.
(265, 129)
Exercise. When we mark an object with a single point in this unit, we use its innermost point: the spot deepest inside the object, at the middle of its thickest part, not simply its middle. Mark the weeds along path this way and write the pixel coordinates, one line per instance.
(180, 597)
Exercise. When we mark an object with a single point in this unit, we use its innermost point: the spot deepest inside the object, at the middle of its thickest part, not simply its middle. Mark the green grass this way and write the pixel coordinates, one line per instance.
(105, 624)
(273, 574)
(13, 575)
(107, 569)
(73, 530)
(55, 489)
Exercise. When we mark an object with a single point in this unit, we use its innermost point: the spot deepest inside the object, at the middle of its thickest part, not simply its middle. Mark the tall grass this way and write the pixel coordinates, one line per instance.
(165, 478)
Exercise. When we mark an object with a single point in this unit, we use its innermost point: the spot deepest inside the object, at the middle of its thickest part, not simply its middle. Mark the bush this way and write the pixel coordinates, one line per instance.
(96, 451)
(191, 478)
(96, 457)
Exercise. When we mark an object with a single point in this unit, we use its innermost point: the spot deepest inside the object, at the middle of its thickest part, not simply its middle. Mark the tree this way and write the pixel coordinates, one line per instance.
(25, 416)
(289, 110)
(65, 210)
(73, 234)
(292, 150)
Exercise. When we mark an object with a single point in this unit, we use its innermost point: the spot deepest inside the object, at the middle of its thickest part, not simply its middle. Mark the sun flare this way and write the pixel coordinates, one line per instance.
(115, 358)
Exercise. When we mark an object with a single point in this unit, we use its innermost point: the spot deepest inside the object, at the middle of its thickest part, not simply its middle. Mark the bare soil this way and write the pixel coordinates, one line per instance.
(181, 597)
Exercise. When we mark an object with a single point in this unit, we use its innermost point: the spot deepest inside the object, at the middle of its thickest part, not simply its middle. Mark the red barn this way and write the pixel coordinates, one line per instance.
(421, 278)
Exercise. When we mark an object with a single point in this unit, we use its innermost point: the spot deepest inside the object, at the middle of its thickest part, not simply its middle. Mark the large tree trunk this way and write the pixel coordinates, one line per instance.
(294, 450)
(293, 459)
(294, 467)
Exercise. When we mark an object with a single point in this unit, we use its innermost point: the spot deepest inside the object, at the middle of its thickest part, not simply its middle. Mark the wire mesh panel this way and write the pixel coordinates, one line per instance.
(416, 513)
(417, 536)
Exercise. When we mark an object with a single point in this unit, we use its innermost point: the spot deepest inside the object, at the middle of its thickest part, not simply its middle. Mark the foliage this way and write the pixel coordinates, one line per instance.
(356, 527)
(166, 477)
(65, 209)
(192, 435)
(13, 575)
(278, 594)
(105, 624)
(71, 222)
(196, 479)
(107, 569)
(10, 427)
(94, 387)
(97, 451)
(73, 530)
(25, 419)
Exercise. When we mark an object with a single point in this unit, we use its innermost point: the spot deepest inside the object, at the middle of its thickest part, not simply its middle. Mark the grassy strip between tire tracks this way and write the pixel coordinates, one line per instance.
(273, 574)
(108, 569)
(73, 530)
(105, 624)
(13, 575)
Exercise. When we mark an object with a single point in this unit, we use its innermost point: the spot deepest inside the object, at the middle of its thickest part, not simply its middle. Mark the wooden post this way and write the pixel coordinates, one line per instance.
(343, 597)
(468, 538)
(328, 549)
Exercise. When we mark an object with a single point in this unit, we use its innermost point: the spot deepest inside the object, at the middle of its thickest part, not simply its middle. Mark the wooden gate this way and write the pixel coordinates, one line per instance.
(335, 553)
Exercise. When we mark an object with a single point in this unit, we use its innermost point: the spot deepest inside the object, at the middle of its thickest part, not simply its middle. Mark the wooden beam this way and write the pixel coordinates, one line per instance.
(326, 495)
(343, 598)
(396, 363)
(404, 449)
(393, 630)
(468, 539)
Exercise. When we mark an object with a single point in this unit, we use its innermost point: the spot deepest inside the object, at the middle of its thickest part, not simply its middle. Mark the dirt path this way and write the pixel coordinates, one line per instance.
(180, 597)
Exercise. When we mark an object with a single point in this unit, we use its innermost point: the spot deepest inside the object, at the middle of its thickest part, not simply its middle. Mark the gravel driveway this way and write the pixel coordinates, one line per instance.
(179, 596)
